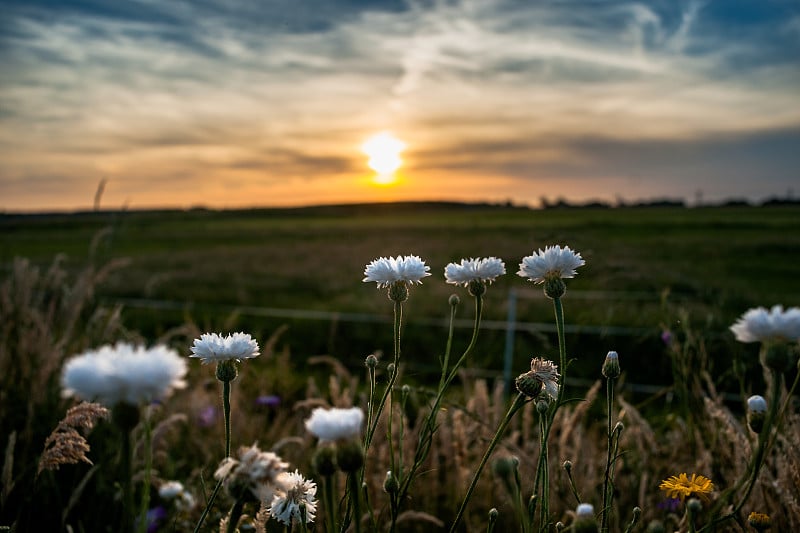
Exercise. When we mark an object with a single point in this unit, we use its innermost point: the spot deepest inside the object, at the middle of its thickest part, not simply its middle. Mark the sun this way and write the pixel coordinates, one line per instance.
(383, 150)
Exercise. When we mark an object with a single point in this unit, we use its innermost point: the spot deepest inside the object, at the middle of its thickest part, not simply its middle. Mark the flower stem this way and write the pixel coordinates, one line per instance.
(519, 401)
(355, 497)
(235, 515)
(330, 502)
(429, 425)
(127, 486)
(226, 410)
(608, 491)
(542, 474)
(148, 466)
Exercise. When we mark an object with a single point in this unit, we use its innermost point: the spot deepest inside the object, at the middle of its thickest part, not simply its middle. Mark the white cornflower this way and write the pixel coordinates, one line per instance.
(170, 490)
(211, 347)
(543, 375)
(554, 261)
(485, 270)
(253, 470)
(409, 269)
(757, 404)
(294, 490)
(335, 424)
(124, 373)
(585, 510)
(760, 325)
(174, 490)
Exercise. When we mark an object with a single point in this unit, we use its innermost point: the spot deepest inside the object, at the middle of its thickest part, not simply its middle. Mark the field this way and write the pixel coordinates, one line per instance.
(661, 286)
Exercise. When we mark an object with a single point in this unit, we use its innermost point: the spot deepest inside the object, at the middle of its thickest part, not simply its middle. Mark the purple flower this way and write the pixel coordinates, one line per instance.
(207, 416)
(666, 337)
(268, 400)
(154, 518)
(670, 505)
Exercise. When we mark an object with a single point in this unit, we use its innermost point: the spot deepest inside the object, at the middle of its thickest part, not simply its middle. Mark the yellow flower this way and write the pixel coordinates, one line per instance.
(759, 521)
(682, 487)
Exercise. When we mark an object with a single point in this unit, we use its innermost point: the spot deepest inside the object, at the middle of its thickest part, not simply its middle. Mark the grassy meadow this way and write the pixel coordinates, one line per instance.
(661, 286)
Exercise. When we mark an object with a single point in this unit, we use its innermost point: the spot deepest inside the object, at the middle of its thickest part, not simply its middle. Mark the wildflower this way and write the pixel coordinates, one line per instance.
(682, 487)
(154, 518)
(585, 521)
(396, 274)
(212, 347)
(255, 473)
(294, 491)
(174, 490)
(756, 412)
(550, 266)
(124, 373)
(335, 424)
(470, 271)
(207, 416)
(543, 374)
(409, 269)
(760, 325)
(268, 400)
(610, 367)
(759, 521)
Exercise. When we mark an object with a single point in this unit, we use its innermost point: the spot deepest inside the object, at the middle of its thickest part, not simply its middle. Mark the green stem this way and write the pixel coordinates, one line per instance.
(127, 486)
(148, 466)
(208, 506)
(226, 410)
(519, 401)
(398, 313)
(355, 497)
(330, 502)
(543, 475)
(607, 482)
(429, 425)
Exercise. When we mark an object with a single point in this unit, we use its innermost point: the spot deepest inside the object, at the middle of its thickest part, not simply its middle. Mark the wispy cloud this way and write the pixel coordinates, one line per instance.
(267, 93)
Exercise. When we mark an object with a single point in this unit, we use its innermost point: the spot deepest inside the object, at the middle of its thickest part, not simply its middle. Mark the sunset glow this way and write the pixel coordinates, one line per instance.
(226, 104)
(383, 150)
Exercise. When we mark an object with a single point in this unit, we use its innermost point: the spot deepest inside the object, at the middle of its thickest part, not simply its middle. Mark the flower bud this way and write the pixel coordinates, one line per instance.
(611, 368)
(528, 384)
(694, 506)
(554, 287)
(567, 465)
(493, 514)
(226, 370)
(560, 526)
(756, 412)
(779, 357)
(503, 467)
(542, 405)
(371, 361)
(390, 484)
(390, 368)
(454, 300)
(324, 461)
(656, 526)
(477, 287)
(398, 291)
(349, 455)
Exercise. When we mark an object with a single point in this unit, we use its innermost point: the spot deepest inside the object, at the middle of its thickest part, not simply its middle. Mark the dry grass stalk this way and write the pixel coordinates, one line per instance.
(66, 445)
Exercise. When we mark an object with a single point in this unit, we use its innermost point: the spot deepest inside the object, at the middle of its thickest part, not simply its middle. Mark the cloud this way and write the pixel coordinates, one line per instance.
(266, 91)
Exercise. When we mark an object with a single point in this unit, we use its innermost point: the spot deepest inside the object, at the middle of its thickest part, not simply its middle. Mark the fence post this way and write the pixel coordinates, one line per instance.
(508, 355)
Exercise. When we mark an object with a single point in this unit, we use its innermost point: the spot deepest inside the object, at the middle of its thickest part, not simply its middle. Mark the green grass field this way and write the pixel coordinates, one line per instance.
(219, 269)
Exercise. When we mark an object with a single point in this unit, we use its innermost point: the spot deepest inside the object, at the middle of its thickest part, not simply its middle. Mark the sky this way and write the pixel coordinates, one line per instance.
(244, 103)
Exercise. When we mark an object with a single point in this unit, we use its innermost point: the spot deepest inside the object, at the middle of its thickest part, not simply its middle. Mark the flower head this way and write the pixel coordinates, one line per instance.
(682, 486)
(759, 521)
(170, 490)
(484, 270)
(335, 424)
(585, 510)
(254, 470)
(408, 269)
(552, 262)
(212, 347)
(543, 375)
(760, 325)
(124, 373)
(756, 412)
(294, 490)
